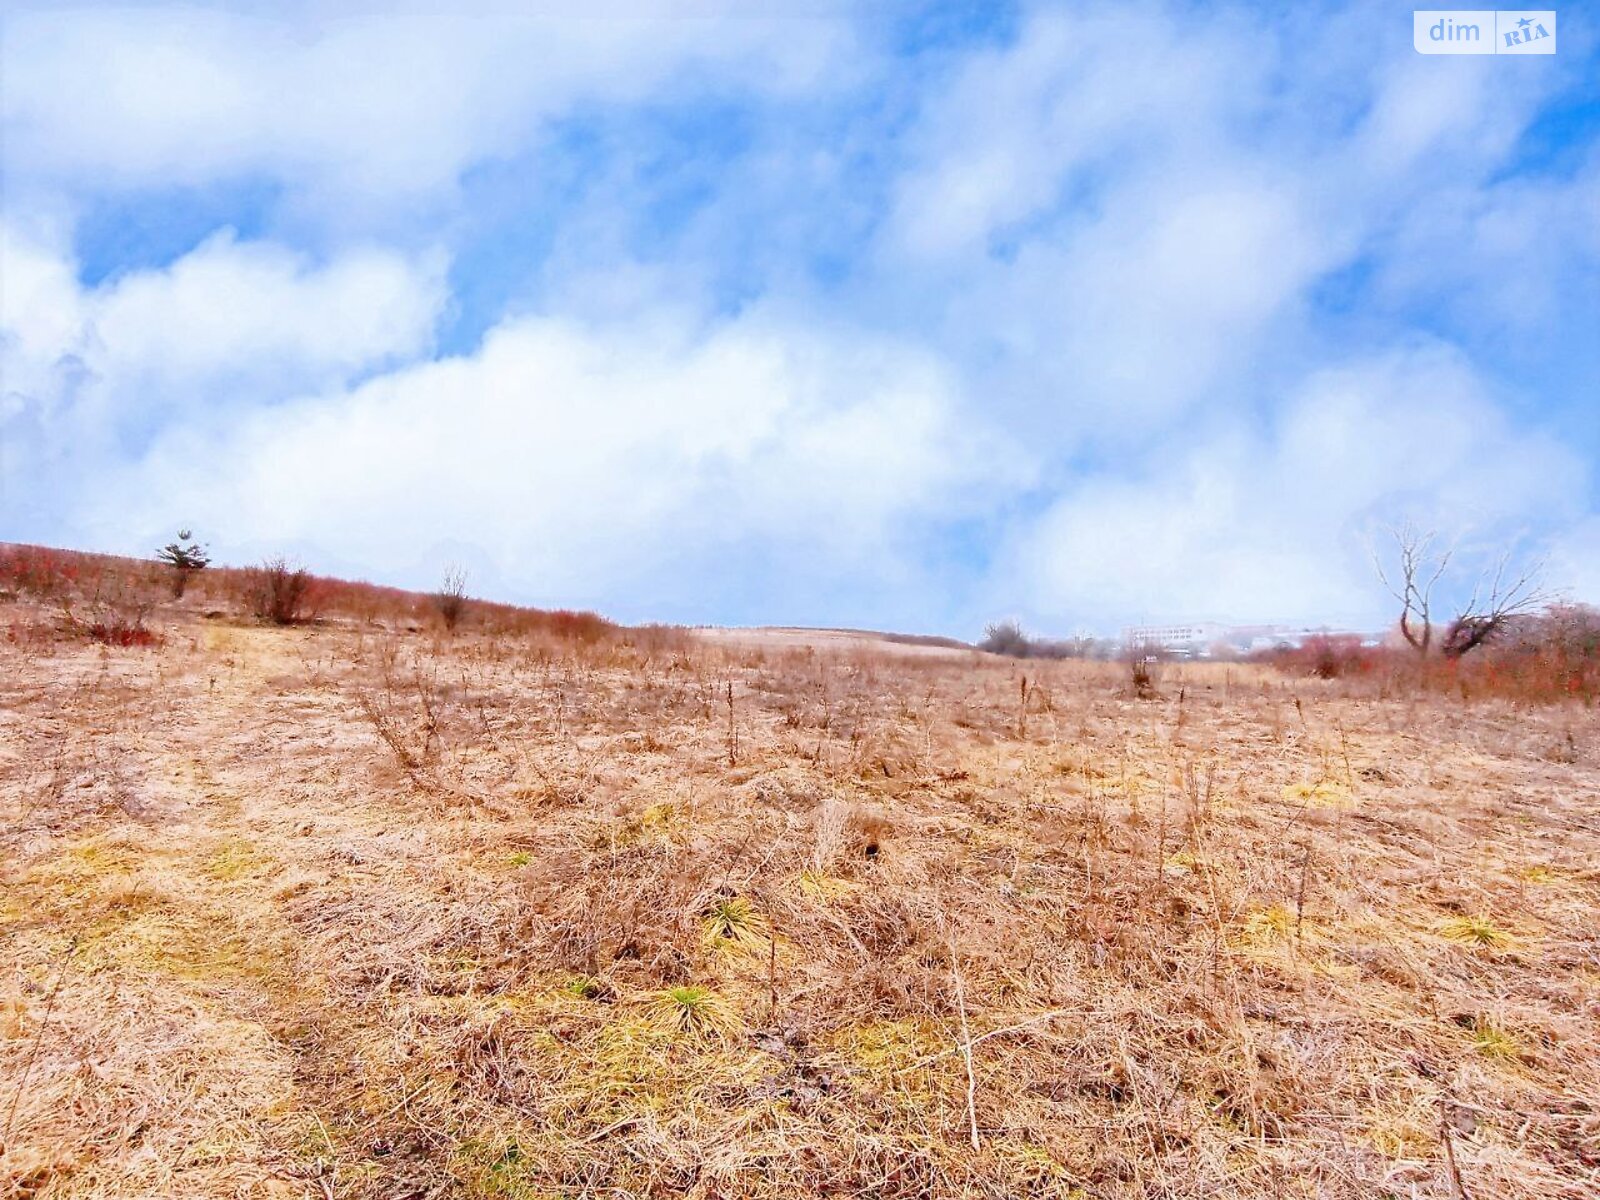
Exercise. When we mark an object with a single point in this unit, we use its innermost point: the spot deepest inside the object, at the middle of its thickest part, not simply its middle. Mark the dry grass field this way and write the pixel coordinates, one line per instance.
(348, 911)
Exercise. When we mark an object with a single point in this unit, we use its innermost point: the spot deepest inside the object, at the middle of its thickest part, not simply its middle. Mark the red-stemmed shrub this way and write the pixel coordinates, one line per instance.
(278, 592)
(1332, 656)
(38, 571)
(123, 634)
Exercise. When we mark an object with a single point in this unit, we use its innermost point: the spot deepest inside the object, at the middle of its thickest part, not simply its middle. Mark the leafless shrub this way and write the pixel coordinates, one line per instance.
(408, 716)
(450, 601)
(109, 606)
(277, 591)
(1144, 668)
(1005, 637)
(1549, 655)
(1329, 656)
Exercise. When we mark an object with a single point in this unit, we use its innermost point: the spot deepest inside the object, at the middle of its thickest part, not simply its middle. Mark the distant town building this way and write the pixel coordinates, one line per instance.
(1173, 639)
(1210, 639)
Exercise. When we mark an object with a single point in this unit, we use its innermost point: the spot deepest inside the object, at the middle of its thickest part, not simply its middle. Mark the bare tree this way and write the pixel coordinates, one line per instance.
(1415, 577)
(1497, 595)
(1005, 637)
(451, 598)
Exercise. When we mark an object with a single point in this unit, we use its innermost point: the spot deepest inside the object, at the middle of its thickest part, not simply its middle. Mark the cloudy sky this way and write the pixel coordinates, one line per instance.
(879, 314)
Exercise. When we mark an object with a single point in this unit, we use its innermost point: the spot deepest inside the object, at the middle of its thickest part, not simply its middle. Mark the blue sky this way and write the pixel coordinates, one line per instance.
(892, 315)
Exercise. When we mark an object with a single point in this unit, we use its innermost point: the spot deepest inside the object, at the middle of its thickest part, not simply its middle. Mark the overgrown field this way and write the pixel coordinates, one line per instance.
(350, 912)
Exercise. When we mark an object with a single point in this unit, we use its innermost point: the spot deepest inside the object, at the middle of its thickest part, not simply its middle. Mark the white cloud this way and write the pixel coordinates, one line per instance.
(1078, 99)
(371, 107)
(1128, 211)
(41, 318)
(1111, 329)
(1503, 259)
(223, 308)
(1424, 123)
(90, 373)
(229, 304)
(1241, 525)
(589, 462)
(1118, 226)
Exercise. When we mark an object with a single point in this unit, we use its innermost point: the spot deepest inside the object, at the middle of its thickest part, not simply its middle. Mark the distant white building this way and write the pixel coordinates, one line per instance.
(1191, 640)
(1203, 639)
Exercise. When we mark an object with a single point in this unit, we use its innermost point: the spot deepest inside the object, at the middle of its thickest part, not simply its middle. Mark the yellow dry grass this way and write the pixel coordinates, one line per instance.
(344, 912)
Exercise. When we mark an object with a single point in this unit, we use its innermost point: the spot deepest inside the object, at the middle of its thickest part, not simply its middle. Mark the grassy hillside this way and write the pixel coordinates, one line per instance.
(368, 909)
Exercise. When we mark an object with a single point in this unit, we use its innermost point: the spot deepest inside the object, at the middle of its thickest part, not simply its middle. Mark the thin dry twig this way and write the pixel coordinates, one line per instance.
(966, 1048)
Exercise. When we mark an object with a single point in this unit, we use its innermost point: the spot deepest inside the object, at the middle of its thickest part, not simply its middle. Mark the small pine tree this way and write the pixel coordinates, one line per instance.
(185, 556)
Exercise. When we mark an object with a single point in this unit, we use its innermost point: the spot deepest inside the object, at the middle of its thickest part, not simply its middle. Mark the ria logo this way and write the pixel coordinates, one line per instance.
(1483, 31)
(1529, 30)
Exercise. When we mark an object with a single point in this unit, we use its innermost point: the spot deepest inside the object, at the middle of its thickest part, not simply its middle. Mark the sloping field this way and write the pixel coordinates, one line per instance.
(343, 912)
(783, 637)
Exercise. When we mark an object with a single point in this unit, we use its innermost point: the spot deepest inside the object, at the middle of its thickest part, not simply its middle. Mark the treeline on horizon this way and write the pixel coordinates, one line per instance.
(1546, 654)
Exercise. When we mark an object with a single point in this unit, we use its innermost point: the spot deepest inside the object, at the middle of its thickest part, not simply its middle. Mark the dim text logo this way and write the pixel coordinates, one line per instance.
(1483, 31)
